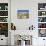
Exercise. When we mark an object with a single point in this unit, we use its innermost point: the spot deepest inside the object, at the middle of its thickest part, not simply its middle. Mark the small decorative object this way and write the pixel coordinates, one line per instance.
(6, 7)
(3, 26)
(43, 13)
(42, 19)
(42, 25)
(39, 19)
(4, 29)
(3, 19)
(3, 13)
(31, 27)
(13, 27)
(0, 7)
(41, 8)
(23, 14)
(42, 32)
(45, 7)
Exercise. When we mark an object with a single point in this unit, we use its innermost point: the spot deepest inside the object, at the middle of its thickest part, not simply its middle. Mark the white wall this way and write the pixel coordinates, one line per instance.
(32, 5)
(23, 24)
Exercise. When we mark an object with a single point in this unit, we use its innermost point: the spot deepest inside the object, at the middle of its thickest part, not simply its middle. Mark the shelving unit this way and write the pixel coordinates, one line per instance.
(41, 10)
(3, 10)
(42, 19)
(4, 19)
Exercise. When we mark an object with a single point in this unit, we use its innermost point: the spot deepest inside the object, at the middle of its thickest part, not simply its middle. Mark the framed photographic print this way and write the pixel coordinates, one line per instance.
(22, 14)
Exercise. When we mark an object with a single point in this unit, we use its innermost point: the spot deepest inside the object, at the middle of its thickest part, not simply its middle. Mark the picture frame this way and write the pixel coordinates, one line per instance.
(22, 14)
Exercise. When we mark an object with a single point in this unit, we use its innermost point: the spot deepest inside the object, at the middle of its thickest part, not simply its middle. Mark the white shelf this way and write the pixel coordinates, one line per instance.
(42, 16)
(3, 10)
(41, 22)
(41, 28)
(3, 22)
(3, 16)
(41, 10)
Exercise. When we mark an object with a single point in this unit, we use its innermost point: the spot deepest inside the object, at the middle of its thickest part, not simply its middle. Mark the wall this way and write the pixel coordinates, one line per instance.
(32, 5)
(23, 24)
